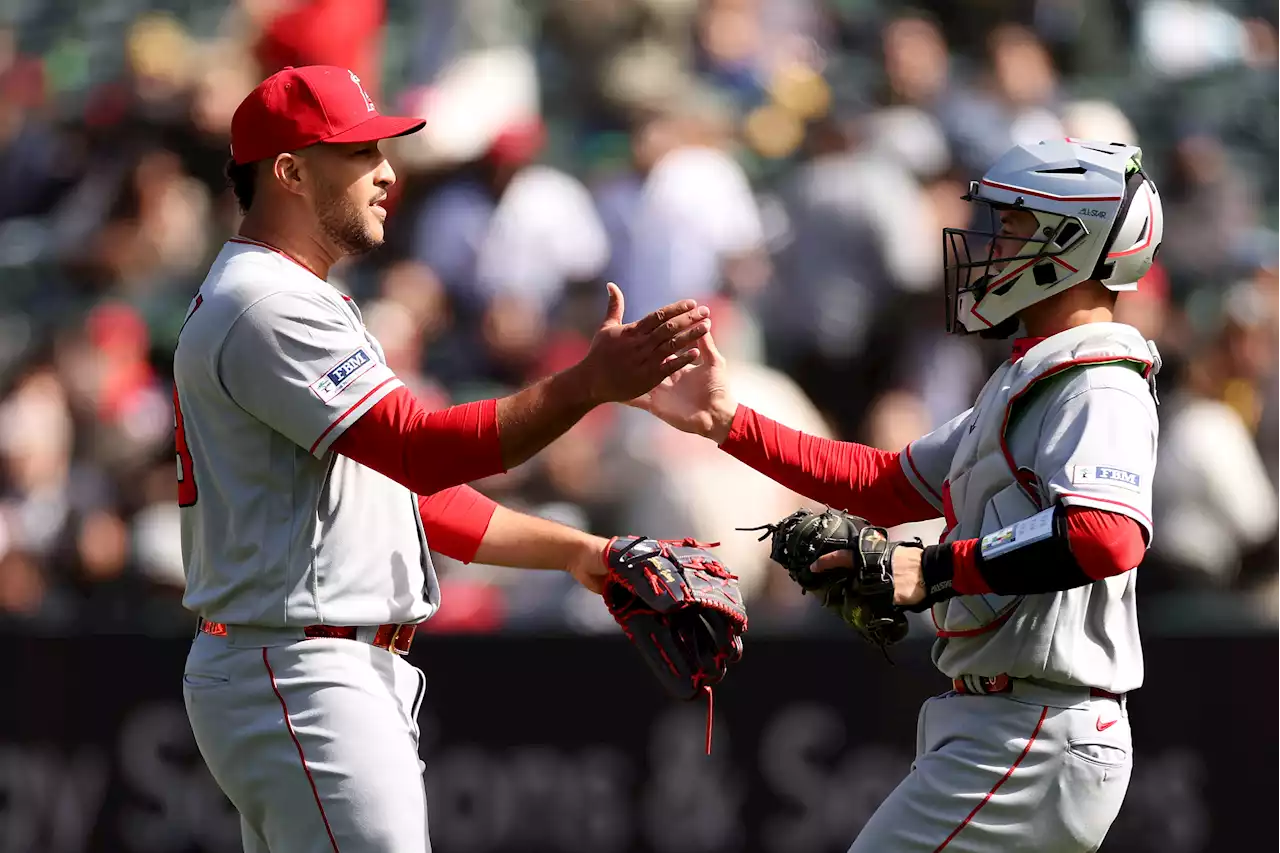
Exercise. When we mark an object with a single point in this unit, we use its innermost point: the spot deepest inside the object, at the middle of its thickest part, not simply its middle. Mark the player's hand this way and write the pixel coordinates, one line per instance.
(908, 580)
(696, 398)
(626, 360)
(587, 565)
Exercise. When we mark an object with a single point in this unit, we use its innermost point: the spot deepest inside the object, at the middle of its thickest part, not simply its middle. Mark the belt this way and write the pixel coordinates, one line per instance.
(392, 637)
(982, 685)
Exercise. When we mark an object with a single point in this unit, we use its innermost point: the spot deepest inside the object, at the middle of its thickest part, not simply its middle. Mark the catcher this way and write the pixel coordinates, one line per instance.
(1045, 487)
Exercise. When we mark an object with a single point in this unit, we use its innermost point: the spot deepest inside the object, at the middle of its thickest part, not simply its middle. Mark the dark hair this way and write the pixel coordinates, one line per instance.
(243, 179)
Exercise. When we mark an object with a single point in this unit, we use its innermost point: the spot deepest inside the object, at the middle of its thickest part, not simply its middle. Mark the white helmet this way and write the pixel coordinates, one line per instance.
(1099, 218)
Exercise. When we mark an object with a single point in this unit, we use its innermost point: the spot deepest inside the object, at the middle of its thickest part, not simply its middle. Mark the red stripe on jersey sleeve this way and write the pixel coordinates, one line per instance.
(357, 404)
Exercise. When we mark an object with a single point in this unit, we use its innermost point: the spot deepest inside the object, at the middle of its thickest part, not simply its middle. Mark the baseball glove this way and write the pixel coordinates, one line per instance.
(863, 595)
(680, 606)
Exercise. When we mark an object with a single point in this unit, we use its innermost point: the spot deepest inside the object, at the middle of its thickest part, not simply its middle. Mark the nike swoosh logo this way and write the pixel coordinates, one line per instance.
(1102, 727)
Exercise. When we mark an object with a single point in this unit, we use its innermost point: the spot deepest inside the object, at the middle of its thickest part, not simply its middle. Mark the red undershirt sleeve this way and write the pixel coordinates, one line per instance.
(1104, 544)
(425, 452)
(456, 520)
(853, 477)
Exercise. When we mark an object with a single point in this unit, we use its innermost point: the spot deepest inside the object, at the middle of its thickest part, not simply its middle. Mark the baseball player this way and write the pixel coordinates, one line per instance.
(1045, 487)
(311, 482)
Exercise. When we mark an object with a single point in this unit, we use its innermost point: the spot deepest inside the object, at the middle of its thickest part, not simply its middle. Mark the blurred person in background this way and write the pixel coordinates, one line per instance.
(428, 337)
(1215, 500)
(697, 229)
(392, 322)
(61, 534)
(742, 46)
(681, 215)
(510, 239)
(1096, 118)
(1204, 179)
(1014, 101)
(593, 39)
(105, 366)
(917, 64)
(344, 33)
(849, 304)
(37, 161)
(1260, 265)
(1182, 38)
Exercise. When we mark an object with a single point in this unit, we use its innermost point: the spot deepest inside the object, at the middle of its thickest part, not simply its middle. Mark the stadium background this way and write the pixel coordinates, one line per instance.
(791, 161)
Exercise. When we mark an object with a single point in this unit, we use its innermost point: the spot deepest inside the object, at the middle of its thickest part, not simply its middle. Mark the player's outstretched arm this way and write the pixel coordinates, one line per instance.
(427, 452)
(1095, 521)
(624, 360)
(463, 524)
(862, 480)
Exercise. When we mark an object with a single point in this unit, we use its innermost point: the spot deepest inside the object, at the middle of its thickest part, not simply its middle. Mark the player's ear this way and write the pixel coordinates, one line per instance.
(287, 170)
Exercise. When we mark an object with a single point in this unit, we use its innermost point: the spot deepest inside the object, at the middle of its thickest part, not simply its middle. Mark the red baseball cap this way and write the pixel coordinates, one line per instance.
(298, 107)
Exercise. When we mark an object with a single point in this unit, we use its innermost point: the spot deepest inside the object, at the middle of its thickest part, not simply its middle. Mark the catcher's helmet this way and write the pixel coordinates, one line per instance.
(1099, 217)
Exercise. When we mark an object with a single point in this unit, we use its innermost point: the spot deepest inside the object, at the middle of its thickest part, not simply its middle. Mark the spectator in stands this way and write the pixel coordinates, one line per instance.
(1214, 502)
(1015, 101)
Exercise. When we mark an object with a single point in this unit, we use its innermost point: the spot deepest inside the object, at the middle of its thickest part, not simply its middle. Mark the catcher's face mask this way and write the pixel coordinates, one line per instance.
(1006, 250)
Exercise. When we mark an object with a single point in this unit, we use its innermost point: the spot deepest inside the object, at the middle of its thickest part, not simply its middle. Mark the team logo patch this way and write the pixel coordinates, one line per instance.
(342, 374)
(1104, 475)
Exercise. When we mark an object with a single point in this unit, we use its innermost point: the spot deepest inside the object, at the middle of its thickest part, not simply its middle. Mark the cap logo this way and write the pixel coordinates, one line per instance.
(368, 102)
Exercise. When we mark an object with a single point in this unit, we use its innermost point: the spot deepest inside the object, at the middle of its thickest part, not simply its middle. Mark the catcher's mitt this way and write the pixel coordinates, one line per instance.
(862, 595)
(680, 606)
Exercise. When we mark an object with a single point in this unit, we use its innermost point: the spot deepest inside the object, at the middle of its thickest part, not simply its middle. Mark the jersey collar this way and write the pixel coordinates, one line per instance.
(245, 241)
(1021, 345)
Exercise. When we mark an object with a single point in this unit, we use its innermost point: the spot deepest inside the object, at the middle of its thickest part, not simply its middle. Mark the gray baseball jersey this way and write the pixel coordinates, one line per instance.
(1072, 422)
(272, 365)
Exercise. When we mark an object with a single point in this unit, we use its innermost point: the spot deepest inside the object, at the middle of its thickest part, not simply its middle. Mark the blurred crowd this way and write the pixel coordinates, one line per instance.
(791, 162)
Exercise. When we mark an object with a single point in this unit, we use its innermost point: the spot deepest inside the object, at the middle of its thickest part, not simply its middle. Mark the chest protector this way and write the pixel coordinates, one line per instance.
(986, 488)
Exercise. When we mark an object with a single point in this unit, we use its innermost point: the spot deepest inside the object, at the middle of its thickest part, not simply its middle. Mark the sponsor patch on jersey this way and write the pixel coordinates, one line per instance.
(342, 374)
(1105, 475)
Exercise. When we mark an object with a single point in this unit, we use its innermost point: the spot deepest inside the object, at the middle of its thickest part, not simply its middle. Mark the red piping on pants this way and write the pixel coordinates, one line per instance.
(996, 787)
(298, 744)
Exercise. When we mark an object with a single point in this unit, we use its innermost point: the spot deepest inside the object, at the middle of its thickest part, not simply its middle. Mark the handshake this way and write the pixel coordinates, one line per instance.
(855, 572)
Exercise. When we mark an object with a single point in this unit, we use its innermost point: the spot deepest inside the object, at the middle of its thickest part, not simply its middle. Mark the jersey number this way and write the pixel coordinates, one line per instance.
(187, 491)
